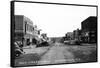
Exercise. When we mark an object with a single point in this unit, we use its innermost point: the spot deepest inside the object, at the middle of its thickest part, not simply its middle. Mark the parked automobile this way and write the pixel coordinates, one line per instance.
(45, 43)
(66, 42)
(18, 52)
(18, 49)
(74, 42)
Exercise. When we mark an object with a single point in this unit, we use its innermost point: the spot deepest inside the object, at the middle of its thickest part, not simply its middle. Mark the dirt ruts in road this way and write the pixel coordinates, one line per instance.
(57, 54)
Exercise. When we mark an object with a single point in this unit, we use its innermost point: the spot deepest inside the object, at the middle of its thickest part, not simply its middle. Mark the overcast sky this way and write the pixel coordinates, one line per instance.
(55, 20)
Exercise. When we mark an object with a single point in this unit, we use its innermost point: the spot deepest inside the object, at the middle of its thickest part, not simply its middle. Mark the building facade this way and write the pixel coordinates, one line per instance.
(69, 35)
(89, 30)
(25, 31)
(77, 34)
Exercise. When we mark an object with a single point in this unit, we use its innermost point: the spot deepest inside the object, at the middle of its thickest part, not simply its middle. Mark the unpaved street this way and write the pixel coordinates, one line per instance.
(57, 54)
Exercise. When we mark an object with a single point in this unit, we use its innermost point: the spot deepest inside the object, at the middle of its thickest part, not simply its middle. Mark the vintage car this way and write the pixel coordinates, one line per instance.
(43, 43)
(74, 42)
(66, 42)
(18, 49)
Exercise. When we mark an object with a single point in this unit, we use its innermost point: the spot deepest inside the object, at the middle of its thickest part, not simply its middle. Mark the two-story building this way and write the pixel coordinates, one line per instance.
(24, 30)
(89, 30)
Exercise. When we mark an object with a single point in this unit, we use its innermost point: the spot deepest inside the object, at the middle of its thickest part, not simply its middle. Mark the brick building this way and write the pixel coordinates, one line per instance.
(25, 30)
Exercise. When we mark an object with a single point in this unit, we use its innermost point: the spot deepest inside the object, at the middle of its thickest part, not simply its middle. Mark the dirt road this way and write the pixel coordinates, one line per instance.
(58, 53)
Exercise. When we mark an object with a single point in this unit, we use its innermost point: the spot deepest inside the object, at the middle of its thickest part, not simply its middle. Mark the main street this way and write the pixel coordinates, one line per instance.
(57, 53)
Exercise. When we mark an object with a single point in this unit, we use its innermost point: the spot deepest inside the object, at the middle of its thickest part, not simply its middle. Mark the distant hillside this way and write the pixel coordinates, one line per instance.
(56, 39)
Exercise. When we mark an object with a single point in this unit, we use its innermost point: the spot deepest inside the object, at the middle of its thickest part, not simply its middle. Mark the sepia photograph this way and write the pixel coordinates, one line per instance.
(54, 33)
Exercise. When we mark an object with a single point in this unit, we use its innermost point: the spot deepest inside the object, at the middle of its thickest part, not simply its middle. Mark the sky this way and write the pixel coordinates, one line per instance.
(55, 20)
